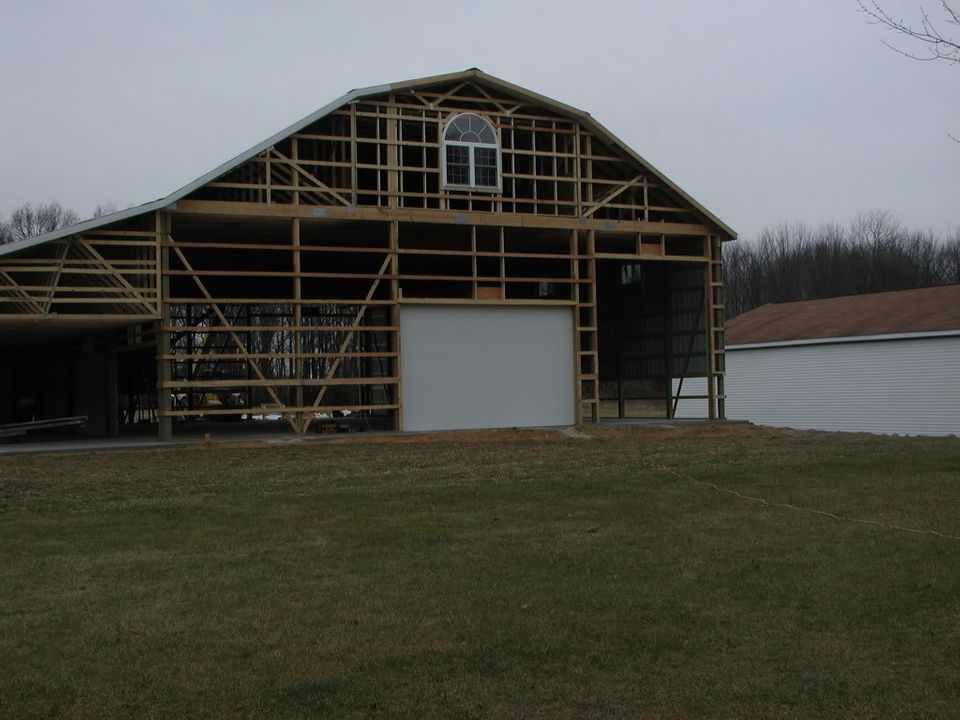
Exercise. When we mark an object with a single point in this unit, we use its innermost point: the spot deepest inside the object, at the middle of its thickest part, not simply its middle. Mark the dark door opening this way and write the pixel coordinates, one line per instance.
(650, 334)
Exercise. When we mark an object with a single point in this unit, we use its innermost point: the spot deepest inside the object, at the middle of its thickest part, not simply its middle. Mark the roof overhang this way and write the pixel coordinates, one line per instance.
(845, 340)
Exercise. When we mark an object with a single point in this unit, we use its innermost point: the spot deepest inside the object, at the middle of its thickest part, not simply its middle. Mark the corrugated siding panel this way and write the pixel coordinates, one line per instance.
(894, 386)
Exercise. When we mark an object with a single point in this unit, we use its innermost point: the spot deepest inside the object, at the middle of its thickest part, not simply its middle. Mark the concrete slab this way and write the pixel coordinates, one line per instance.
(145, 438)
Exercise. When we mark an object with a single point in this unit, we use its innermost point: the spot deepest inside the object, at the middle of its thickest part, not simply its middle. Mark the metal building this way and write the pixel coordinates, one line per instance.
(879, 363)
(449, 252)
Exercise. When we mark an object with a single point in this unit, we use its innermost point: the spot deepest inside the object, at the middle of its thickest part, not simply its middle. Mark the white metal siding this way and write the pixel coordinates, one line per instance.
(890, 386)
(484, 366)
(689, 407)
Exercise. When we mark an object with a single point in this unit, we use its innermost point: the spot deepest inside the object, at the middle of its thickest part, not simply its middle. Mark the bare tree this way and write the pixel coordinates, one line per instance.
(951, 257)
(928, 34)
(104, 209)
(29, 221)
(875, 253)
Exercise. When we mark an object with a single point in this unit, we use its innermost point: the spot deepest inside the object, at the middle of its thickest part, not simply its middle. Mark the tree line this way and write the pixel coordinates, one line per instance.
(874, 253)
(30, 220)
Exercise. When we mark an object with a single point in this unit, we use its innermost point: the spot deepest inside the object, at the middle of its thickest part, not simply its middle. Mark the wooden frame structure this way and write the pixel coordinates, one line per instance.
(274, 288)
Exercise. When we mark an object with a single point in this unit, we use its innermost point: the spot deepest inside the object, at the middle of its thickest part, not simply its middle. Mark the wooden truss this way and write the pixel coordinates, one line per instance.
(384, 152)
(110, 272)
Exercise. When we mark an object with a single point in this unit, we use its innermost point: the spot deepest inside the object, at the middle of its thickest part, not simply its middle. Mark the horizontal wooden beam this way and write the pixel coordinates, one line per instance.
(279, 382)
(447, 217)
(362, 276)
(83, 301)
(351, 249)
(73, 319)
(279, 328)
(274, 356)
(279, 410)
(492, 301)
(281, 247)
(653, 257)
(275, 301)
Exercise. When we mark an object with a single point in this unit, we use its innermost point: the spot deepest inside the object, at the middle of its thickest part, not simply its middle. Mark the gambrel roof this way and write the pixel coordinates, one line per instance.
(472, 75)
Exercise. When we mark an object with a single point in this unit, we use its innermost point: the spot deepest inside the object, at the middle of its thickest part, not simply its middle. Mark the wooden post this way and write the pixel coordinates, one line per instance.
(594, 318)
(473, 261)
(191, 364)
(668, 341)
(621, 363)
(112, 410)
(302, 422)
(393, 160)
(164, 419)
(708, 325)
(394, 242)
(294, 173)
(577, 357)
(503, 265)
(353, 153)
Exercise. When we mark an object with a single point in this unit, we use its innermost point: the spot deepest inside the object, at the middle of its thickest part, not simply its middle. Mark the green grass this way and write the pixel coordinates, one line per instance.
(500, 575)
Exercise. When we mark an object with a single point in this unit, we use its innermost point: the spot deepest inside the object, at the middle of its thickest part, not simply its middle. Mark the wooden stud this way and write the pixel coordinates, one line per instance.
(302, 422)
(395, 320)
(164, 405)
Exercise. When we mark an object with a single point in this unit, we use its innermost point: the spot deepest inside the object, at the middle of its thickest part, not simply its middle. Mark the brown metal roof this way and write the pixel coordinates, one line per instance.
(903, 311)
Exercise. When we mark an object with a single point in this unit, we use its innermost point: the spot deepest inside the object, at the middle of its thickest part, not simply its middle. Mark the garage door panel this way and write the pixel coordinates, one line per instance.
(466, 367)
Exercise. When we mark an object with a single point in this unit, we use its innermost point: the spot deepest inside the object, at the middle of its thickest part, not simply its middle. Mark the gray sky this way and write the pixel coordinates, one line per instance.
(765, 111)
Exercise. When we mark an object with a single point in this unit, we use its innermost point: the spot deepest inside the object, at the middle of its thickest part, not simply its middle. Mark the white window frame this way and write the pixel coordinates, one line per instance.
(471, 147)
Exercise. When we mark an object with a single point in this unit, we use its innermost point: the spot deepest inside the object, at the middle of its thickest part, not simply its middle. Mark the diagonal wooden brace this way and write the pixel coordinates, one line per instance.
(236, 338)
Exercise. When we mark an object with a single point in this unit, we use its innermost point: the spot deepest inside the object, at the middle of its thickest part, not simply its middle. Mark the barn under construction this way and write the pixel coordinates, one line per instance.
(449, 252)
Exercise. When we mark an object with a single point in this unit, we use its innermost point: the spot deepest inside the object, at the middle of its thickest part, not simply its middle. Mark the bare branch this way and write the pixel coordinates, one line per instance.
(874, 253)
(6, 232)
(937, 45)
(104, 209)
(28, 220)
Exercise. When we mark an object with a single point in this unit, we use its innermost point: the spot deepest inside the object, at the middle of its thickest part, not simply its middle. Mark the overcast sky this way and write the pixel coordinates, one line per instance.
(766, 111)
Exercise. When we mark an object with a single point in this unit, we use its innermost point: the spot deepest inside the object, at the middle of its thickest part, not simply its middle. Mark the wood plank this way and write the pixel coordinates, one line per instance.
(527, 302)
(277, 328)
(612, 196)
(164, 401)
(238, 356)
(335, 365)
(280, 382)
(226, 323)
(395, 319)
(286, 412)
(21, 296)
(114, 274)
(321, 186)
(449, 217)
(279, 301)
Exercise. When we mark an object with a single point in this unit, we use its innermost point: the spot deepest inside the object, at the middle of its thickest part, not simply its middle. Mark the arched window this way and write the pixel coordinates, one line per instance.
(471, 153)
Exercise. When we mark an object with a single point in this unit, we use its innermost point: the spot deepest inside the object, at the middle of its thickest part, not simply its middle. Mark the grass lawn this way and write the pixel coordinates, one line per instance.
(489, 575)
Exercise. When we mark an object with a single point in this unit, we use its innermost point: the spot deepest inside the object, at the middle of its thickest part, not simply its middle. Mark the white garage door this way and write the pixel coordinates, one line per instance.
(486, 367)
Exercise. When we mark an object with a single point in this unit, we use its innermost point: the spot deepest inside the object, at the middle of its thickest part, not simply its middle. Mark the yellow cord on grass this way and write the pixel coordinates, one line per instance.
(762, 501)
